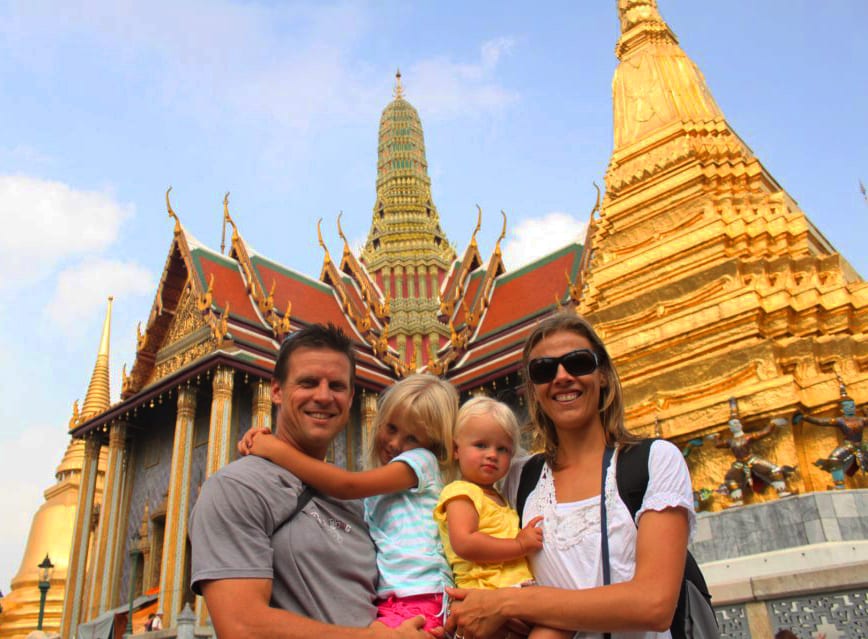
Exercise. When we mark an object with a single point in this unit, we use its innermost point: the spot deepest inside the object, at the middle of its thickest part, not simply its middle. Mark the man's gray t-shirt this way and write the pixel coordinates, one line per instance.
(322, 564)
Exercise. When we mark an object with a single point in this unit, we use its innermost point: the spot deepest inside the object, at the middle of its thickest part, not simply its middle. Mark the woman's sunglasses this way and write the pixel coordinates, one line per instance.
(542, 370)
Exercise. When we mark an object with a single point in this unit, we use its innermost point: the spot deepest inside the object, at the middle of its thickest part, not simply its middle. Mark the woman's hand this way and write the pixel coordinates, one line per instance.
(245, 444)
(473, 614)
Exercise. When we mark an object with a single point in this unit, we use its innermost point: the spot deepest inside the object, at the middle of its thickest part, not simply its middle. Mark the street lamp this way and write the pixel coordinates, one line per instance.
(46, 568)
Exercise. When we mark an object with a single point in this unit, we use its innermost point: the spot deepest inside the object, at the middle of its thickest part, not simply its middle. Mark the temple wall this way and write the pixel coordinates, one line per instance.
(799, 563)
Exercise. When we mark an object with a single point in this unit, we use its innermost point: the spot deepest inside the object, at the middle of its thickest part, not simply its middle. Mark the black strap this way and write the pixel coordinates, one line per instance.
(303, 497)
(528, 479)
(604, 524)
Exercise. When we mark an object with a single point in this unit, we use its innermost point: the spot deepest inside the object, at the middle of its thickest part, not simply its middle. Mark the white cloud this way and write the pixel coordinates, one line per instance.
(535, 237)
(83, 288)
(46, 222)
(448, 88)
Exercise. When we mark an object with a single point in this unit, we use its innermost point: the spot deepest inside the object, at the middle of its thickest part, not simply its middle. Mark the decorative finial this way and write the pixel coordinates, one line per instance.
(399, 89)
(502, 233)
(226, 218)
(319, 234)
(478, 225)
(340, 230)
(172, 213)
(596, 208)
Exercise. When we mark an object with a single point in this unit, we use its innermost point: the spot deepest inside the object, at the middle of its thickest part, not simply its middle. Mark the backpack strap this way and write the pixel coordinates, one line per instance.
(530, 474)
(631, 474)
(303, 498)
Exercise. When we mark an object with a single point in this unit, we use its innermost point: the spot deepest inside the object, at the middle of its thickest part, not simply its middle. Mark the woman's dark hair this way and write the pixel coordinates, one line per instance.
(611, 396)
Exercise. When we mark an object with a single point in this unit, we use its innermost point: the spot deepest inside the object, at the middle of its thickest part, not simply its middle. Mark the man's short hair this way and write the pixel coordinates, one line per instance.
(322, 336)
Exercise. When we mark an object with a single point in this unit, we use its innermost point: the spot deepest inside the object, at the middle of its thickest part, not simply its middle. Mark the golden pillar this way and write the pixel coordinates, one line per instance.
(175, 541)
(75, 577)
(261, 404)
(219, 441)
(220, 429)
(110, 535)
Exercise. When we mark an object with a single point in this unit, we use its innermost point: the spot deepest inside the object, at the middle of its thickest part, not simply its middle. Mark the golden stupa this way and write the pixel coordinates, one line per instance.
(52, 529)
(706, 279)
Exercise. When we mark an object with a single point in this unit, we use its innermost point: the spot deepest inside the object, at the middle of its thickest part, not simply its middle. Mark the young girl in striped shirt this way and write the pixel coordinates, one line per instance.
(411, 450)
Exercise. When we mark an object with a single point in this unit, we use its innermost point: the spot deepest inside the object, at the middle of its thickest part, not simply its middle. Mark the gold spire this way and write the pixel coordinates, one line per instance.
(655, 84)
(98, 398)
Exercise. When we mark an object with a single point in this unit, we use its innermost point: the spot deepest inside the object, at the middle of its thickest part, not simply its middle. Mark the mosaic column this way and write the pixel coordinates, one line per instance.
(261, 404)
(177, 507)
(75, 577)
(110, 533)
(219, 441)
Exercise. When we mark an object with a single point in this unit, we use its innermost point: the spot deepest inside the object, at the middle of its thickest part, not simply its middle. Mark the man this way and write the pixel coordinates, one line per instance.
(316, 575)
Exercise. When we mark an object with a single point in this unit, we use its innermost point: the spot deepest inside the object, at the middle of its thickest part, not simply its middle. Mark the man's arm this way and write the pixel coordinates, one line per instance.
(240, 609)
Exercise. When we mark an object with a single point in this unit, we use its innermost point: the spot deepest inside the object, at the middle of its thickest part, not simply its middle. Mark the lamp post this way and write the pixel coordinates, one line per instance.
(46, 569)
(135, 552)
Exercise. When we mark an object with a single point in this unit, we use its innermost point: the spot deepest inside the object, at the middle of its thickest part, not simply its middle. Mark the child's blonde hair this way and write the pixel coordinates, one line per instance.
(430, 403)
(499, 412)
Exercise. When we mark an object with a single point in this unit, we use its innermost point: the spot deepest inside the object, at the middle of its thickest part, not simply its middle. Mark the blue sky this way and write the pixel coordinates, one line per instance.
(106, 104)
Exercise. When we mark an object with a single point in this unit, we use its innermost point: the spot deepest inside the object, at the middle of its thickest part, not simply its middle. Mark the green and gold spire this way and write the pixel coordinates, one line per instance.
(406, 222)
(406, 250)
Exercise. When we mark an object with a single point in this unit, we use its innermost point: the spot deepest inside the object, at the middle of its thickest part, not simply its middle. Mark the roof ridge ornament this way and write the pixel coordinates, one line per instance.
(328, 258)
(227, 218)
(502, 234)
(478, 225)
(172, 213)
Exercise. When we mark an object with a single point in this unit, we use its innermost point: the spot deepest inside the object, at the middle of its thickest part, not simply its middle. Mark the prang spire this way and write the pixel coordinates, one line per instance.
(98, 398)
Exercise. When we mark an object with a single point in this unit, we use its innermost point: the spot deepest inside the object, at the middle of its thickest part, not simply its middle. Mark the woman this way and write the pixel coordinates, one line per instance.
(577, 408)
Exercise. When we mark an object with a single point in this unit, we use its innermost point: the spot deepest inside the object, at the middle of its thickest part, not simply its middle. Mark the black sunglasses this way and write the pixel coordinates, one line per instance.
(542, 370)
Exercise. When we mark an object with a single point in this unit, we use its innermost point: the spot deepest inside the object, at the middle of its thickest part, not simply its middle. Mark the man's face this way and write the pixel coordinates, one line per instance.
(314, 401)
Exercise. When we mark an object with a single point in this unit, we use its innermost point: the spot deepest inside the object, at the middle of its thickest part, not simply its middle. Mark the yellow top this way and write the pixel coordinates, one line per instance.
(494, 520)
(98, 398)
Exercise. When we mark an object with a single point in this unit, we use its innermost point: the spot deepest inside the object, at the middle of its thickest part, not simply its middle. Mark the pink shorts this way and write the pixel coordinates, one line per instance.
(394, 611)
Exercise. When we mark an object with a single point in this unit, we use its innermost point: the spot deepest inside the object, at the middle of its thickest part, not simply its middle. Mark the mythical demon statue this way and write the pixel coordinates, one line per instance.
(748, 468)
(852, 454)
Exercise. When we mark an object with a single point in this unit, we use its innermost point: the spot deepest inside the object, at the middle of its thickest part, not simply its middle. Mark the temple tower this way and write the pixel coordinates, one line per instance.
(406, 252)
(706, 279)
(51, 531)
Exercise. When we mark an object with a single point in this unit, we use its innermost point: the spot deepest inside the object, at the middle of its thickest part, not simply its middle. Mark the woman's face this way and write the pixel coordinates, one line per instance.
(570, 401)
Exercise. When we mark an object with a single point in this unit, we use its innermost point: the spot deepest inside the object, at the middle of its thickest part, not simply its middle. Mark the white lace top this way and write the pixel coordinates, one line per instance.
(570, 557)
